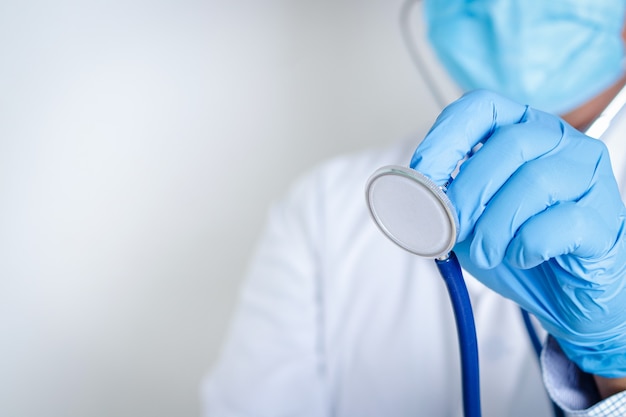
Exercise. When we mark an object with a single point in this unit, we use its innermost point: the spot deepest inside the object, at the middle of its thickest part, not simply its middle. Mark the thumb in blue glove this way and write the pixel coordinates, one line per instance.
(541, 220)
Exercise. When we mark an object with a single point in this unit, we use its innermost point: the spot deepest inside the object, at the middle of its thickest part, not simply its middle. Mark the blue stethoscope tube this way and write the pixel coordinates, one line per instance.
(452, 275)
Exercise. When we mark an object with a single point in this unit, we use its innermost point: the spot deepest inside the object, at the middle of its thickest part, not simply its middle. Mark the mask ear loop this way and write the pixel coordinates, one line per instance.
(416, 55)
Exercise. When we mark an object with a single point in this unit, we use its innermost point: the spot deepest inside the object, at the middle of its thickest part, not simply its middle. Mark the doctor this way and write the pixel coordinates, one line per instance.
(334, 320)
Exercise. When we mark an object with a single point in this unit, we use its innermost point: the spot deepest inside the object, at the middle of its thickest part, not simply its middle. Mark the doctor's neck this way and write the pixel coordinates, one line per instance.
(582, 116)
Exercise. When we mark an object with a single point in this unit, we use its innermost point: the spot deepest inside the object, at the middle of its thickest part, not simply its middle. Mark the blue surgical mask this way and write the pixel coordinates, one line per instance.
(552, 54)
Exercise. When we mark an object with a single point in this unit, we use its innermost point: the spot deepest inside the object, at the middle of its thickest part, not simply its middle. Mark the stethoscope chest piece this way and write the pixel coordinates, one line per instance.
(412, 210)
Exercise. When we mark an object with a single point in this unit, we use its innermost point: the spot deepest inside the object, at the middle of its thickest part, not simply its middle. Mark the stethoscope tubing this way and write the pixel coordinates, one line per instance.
(451, 272)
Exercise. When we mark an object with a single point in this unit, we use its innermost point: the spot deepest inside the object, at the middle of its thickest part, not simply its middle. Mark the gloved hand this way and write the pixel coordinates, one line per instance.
(541, 220)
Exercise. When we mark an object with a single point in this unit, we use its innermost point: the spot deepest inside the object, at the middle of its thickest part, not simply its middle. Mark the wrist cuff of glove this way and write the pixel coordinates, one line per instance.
(606, 359)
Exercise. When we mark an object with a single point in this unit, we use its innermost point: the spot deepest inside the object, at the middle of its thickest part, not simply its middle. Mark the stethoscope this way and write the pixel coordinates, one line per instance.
(416, 214)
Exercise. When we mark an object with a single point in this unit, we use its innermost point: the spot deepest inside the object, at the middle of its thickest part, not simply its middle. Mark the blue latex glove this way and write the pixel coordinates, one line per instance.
(541, 220)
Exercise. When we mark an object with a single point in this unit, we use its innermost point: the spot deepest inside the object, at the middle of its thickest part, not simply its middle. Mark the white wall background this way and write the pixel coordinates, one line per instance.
(140, 145)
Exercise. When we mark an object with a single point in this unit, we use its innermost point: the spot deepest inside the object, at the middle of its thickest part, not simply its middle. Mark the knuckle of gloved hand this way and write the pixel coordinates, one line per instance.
(584, 149)
(479, 101)
(597, 150)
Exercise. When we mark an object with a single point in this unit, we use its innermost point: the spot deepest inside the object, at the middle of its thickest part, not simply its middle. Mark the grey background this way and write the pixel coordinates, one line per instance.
(141, 143)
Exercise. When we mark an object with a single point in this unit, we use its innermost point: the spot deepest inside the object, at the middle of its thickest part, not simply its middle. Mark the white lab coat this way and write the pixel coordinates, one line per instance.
(335, 320)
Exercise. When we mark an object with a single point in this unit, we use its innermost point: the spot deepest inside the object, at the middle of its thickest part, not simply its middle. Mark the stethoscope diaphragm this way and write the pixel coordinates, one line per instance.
(412, 211)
